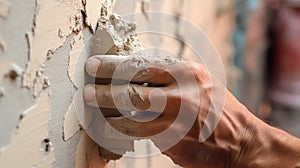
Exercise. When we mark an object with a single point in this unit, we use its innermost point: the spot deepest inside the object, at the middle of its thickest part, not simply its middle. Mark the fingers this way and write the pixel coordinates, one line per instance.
(135, 69)
(126, 97)
(128, 128)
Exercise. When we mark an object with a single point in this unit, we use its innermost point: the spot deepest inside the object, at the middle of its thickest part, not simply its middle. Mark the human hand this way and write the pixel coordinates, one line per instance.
(185, 89)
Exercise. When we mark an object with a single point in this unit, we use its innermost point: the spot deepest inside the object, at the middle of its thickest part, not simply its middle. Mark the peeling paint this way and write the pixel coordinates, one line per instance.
(92, 13)
(24, 149)
(4, 8)
(77, 46)
(40, 83)
(44, 36)
(60, 99)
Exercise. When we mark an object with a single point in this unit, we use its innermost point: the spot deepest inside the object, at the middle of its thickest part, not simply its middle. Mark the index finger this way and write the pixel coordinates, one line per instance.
(131, 68)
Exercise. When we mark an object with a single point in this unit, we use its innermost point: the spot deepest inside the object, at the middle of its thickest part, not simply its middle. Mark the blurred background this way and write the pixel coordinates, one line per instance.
(267, 51)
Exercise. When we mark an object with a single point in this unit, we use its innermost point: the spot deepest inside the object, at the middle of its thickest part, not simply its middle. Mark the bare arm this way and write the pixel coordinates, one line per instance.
(239, 139)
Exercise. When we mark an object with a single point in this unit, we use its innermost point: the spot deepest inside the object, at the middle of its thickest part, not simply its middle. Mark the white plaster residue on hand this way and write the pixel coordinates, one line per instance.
(24, 149)
(4, 8)
(71, 123)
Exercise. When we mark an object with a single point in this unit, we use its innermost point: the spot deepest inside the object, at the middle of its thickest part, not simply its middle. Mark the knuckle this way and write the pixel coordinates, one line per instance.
(195, 67)
(200, 72)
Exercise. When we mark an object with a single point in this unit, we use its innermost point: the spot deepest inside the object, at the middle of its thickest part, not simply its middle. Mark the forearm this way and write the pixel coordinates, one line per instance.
(257, 144)
(269, 147)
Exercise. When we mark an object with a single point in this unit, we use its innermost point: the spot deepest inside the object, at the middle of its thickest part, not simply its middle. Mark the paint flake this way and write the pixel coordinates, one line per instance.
(74, 55)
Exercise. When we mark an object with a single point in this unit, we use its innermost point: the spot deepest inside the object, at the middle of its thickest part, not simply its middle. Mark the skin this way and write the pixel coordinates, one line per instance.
(239, 139)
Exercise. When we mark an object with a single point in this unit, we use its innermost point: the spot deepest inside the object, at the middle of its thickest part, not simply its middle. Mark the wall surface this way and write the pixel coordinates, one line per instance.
(42, 70)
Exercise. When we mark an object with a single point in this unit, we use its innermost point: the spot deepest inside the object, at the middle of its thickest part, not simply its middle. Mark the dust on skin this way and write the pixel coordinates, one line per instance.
(31, 132)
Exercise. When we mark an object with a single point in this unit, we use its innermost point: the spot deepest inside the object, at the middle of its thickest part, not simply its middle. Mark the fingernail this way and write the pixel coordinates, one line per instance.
(92, 65)
(89, 93)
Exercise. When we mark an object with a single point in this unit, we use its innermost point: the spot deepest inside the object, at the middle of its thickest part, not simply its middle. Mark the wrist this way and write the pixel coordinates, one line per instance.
(266, 146)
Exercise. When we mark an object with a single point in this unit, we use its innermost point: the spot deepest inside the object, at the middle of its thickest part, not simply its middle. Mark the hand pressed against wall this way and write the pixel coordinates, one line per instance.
(180, 95)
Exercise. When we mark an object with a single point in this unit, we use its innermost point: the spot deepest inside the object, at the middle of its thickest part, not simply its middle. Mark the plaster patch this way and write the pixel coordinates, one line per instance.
(124, 35)
(71, 123)
(65, 18)
(102, 43)
(4, 8)
(74, 55)
(24, 149)
(115, 36)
